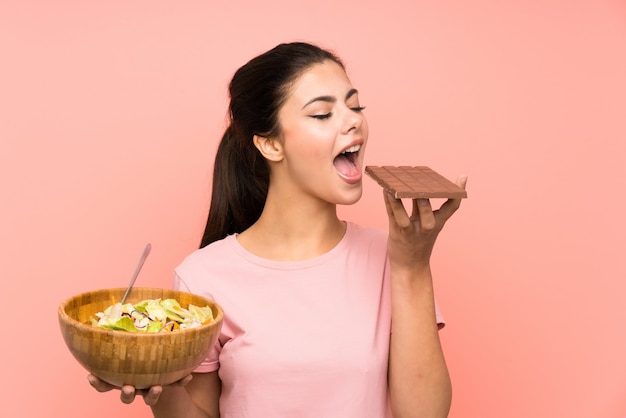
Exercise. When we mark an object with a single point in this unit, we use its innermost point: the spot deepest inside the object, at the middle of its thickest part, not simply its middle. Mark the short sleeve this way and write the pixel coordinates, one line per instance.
(211, 362)
(441, 322)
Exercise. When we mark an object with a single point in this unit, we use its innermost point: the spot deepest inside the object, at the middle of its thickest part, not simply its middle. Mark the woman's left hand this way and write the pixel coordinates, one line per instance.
(412, 238)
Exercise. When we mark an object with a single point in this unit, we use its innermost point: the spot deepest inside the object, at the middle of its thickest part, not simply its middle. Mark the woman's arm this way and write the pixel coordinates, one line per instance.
(195, 396)
(419, 382)
(198, 398)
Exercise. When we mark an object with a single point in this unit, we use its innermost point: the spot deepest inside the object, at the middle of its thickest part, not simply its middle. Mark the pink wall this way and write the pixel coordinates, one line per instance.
(110, 113)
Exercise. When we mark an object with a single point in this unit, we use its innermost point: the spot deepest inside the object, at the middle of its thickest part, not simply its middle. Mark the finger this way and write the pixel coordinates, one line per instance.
(427, 219)
(99, 385)
(396, 211)
(451, 205)
(152, 395)
(127, 394)
(462, 181)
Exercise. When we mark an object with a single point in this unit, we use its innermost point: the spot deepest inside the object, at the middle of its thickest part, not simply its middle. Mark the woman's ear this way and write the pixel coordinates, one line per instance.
(270, 148)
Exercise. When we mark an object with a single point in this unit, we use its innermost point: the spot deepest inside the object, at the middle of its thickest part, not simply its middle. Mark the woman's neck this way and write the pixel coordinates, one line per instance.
(294, 232)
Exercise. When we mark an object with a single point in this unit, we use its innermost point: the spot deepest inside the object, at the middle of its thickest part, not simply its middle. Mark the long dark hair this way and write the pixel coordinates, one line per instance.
(241, 174)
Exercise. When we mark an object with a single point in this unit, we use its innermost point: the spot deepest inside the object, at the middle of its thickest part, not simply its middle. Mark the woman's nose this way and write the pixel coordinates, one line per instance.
(353, 121)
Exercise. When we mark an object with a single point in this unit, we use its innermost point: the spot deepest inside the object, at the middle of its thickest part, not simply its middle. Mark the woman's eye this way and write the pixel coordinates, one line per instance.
(358, 109)
(322, 115)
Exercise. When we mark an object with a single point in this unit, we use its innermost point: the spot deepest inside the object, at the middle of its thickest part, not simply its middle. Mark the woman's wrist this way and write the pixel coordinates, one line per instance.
(417, 274)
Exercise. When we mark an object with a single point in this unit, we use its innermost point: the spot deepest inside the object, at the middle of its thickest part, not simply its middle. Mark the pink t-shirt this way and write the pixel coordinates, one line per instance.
(299, 339)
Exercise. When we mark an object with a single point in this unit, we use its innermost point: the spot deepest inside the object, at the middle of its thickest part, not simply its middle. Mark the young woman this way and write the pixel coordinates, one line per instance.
(324, 318)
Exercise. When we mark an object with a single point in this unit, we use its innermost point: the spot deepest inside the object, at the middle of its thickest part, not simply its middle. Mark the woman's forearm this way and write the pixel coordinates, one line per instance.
(418, 376)
(175, 402)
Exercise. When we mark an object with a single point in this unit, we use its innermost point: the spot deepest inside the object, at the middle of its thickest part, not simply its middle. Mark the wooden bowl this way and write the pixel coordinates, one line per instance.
(131, 358)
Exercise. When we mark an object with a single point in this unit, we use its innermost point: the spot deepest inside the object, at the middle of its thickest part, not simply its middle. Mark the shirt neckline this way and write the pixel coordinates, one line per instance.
(291, 265)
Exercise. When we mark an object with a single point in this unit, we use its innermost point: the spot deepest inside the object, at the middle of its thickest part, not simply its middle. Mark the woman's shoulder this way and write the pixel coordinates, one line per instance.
(209, 254)
(366, 238)
(368, 233)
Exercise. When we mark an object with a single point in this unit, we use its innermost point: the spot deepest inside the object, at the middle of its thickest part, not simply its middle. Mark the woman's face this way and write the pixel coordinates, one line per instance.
(324, 133)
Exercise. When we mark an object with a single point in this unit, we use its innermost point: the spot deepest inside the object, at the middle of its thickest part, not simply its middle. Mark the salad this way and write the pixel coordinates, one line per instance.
(152, 315)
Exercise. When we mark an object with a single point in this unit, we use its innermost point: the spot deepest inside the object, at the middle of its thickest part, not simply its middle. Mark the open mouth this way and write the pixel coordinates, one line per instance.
(347, 163)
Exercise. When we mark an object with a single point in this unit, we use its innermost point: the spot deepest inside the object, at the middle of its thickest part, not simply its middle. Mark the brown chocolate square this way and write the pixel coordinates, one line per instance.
(414, 182)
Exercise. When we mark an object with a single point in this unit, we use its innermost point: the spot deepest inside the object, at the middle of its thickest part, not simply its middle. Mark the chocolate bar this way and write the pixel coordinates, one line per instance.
(414, 182)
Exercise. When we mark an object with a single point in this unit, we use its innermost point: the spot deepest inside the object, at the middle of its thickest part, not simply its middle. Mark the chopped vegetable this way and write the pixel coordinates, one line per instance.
(152, 315)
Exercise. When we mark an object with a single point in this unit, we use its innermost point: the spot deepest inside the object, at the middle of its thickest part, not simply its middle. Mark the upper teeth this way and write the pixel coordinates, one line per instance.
(353, 148)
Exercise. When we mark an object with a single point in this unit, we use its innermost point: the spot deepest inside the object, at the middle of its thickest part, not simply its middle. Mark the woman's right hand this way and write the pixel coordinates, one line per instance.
(128, 393)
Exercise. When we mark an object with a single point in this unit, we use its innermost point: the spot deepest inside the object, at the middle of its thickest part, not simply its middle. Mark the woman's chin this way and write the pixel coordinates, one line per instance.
(351, 197)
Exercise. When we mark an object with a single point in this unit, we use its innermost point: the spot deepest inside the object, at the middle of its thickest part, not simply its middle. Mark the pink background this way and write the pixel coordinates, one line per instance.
(110, 113)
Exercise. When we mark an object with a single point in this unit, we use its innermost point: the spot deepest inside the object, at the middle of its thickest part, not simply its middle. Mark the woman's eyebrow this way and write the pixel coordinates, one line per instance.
(351, 93)
(330, 99)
